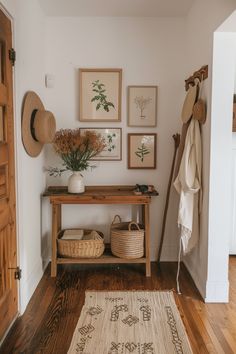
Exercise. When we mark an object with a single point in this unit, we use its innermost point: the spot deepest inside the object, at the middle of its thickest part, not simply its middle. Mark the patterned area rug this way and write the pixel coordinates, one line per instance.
(137, 322)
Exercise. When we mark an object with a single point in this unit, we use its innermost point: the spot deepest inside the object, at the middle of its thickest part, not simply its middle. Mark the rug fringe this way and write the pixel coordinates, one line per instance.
(133, 290)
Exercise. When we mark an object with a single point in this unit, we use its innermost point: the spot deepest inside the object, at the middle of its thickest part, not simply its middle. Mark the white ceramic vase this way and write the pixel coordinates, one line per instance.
(76, 183)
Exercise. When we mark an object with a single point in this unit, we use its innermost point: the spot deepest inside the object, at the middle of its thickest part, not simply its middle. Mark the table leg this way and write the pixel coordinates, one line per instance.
(54, 239)
(142, 215)
(59, 218)
(147, 239)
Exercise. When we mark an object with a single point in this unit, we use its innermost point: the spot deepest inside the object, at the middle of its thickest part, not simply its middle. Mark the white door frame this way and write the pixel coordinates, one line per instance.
(220, 205)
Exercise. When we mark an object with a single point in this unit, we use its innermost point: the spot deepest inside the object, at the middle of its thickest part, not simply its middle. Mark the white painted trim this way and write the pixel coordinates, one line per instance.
(28, 285)
(232, 243)
(217, 292)
(6, 12)
(220, 206)
(211, 291)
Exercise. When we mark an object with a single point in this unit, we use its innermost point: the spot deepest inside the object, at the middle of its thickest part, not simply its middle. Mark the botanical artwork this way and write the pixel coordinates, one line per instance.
(142, 106)
(110, 142)
(142, 151)
(142, 103)
(100, 95)
(112, 138)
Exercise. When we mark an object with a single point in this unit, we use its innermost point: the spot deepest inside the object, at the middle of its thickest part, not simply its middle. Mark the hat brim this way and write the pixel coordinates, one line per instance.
(31, 103)
(190, 99)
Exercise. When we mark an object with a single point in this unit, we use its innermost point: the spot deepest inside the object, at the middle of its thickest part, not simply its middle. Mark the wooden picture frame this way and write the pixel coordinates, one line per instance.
(142, 106)
(100, 95)
(142, 150)
(113, 138)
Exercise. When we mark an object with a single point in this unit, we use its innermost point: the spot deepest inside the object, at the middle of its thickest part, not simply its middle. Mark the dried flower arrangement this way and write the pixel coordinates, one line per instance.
(76, 149)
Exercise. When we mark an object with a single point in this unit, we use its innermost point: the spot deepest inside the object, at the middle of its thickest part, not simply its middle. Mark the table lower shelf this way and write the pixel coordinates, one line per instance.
(104, 259)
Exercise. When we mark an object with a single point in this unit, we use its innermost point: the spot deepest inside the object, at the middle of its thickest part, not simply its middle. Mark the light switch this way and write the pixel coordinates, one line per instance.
(49, 80)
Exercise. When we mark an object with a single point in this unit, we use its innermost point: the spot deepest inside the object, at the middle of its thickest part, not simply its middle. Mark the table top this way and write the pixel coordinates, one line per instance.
(97, 190)
(98, 194)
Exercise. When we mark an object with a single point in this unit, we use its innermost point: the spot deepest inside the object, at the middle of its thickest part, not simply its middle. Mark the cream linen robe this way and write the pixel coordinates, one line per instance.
(188, 185)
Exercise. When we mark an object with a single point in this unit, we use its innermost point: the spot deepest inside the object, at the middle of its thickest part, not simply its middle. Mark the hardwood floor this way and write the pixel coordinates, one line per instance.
(51, 316)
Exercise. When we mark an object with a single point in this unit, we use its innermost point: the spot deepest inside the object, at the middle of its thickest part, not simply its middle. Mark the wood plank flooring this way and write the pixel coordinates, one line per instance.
(48, 323)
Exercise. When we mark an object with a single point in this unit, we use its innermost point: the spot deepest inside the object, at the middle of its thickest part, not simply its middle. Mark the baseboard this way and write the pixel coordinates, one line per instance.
(217, 292)
(46, 259)
(198, 281)
(211, 291)
(28, 285)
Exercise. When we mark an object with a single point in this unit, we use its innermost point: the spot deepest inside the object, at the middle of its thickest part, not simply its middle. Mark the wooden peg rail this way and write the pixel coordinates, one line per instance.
(201, 74)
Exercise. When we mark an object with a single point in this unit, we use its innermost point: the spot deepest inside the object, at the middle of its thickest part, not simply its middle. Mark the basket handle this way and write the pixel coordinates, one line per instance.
(133, 223)
(115, 217)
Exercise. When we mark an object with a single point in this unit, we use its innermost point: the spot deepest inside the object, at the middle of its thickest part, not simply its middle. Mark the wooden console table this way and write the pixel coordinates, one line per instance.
(98, 195)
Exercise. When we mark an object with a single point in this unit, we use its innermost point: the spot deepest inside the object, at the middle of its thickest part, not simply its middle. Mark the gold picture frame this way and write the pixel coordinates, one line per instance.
(100, 95)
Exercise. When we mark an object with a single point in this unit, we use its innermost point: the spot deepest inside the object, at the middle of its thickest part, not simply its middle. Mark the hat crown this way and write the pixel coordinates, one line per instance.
(44, 126)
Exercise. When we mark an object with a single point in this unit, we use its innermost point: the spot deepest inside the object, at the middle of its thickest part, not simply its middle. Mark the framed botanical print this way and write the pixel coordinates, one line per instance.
(113, 140)
(100, 95)
(142, 106)
(142, 150)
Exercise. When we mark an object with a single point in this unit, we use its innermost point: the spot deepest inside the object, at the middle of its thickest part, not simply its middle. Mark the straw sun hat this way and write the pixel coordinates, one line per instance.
(38, 125)
(189, 102)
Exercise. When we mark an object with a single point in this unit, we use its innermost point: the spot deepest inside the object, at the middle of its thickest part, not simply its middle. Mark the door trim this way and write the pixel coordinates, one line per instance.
(16, 150)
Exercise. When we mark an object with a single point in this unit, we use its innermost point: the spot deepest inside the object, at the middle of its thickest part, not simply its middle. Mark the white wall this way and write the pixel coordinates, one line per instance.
(202, 21)
(232, 246)
(28, 22)
(150, 51)
(220, 211)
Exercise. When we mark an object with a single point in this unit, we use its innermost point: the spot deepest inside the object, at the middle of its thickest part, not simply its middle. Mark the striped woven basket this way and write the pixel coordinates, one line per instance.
(127, 239)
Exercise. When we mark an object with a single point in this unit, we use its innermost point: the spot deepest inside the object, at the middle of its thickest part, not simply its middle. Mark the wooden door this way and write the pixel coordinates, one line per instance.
(8, 252)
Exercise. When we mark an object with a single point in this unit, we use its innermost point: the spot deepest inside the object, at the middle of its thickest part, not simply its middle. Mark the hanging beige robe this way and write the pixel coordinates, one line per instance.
(188, 185)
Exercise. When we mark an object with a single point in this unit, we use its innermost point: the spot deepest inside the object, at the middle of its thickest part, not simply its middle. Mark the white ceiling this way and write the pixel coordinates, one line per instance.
(119, 8)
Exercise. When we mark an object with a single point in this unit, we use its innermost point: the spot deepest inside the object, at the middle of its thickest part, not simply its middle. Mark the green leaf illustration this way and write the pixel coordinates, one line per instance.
(142, 152)
(99, 88)
(111, 144)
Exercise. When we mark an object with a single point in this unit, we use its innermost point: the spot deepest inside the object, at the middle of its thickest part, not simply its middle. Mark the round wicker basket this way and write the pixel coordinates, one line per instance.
(127, 239)
(81, 248)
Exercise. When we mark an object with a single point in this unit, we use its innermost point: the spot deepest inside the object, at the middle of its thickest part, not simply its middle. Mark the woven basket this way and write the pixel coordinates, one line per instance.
(81, 248)
(127, 239)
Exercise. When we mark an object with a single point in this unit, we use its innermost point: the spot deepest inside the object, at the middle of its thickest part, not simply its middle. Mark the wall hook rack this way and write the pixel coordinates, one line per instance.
(201, 74)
